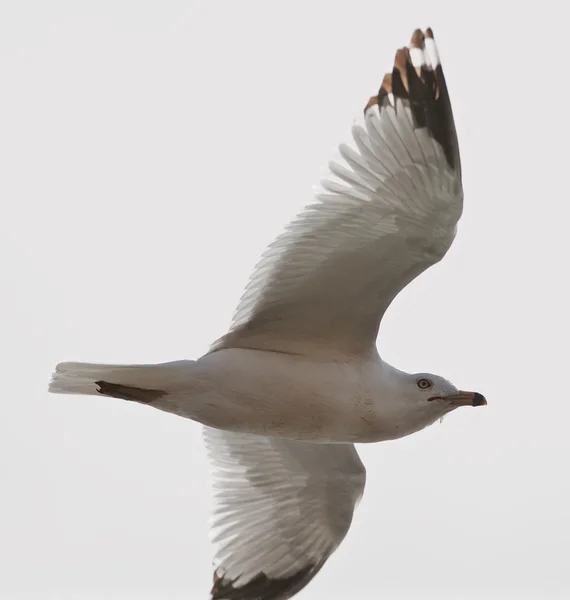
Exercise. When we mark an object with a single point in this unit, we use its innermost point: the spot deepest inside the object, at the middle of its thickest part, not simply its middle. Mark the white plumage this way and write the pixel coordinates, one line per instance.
(297, 378)
(277, 510)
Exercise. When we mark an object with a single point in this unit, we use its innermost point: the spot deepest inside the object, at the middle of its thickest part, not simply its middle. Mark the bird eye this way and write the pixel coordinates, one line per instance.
(424, 384)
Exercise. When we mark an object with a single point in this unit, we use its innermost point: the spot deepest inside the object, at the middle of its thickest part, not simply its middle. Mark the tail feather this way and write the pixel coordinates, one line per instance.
(87, 378)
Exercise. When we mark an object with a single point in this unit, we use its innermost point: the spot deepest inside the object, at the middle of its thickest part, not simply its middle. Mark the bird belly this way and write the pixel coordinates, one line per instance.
(383, 425)
(271, 393)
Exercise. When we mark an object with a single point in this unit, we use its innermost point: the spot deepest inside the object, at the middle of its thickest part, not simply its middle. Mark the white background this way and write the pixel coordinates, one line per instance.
(149, 152)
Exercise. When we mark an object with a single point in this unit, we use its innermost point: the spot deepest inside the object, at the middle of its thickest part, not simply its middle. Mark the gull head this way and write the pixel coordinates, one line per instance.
(441, 394)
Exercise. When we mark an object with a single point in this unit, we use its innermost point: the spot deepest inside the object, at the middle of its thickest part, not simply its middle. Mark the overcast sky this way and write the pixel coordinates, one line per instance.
(149, 151)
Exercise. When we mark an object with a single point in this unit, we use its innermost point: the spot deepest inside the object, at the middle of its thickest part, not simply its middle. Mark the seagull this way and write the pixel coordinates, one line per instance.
(298, 380)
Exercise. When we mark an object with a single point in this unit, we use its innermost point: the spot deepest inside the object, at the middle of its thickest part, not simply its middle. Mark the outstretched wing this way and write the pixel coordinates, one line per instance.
(381, 218)
(281, 509)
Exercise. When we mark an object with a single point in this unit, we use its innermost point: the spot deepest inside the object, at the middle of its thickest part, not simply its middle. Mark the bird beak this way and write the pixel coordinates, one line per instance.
(467, 399)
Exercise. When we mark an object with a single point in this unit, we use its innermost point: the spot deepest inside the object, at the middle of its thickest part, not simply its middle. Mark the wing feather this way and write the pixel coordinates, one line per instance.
(387, 211)
(281, 509)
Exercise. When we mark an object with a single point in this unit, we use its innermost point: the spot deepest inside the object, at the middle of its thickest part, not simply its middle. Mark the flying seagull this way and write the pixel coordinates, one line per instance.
(297, 380)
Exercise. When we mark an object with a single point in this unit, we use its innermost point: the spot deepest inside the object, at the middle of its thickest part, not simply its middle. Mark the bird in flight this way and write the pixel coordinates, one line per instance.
(297, 380)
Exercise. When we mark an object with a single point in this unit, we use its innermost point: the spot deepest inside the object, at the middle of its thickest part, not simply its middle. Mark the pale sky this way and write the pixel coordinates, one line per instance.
(149, 152)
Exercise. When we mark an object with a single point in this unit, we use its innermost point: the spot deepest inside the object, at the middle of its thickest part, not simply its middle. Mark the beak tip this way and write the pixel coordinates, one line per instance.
(479, 399)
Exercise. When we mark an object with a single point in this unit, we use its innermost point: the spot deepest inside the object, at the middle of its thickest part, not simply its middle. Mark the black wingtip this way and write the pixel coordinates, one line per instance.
(262, 587)
(417, 78)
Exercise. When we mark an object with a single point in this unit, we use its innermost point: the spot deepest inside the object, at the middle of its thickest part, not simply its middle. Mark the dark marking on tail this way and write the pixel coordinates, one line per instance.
(126, 392)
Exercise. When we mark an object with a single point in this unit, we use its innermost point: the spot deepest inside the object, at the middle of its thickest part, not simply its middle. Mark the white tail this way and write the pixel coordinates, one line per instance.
(81, 378)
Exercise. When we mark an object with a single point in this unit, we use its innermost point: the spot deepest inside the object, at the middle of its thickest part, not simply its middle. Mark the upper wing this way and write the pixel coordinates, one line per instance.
(281, 508)
(381, 219)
